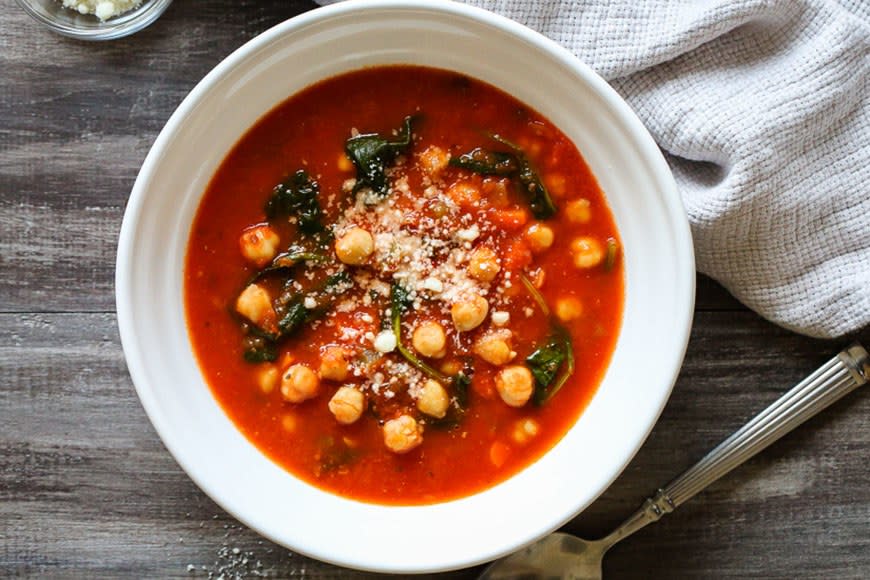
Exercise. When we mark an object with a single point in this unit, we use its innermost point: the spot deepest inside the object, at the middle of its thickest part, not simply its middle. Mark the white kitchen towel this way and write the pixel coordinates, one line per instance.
(761, 109)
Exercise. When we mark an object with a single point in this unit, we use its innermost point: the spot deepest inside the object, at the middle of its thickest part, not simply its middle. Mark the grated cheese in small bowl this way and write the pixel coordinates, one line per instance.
(102, 9)
(95, 19)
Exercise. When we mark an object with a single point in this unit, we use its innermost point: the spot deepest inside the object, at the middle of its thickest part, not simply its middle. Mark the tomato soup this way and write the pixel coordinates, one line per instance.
(403, 285)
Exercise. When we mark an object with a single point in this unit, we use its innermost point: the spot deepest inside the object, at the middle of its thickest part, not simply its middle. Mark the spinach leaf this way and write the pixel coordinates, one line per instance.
(268, 271)
(535, 294)
(371, 153)
(336, 284)
(297, 197)
(400, 302)
(547, 361)
(261, 345)
(485, 162)
(513, 164)
(295, 315)
(539, 199)
(296, 255)
(285, 262)
(461, 382)
(259, 349)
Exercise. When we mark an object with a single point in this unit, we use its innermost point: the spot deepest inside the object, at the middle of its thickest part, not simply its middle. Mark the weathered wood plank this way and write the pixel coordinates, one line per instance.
(86, 488)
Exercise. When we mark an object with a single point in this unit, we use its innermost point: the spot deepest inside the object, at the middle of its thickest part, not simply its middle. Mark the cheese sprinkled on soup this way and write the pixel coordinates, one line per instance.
(403, 285)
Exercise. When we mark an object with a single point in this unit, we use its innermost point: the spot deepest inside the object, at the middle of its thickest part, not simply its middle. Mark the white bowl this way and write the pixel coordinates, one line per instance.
(638, 185)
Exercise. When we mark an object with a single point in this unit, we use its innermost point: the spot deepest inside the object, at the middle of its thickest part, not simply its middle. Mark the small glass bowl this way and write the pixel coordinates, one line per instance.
(69, 22)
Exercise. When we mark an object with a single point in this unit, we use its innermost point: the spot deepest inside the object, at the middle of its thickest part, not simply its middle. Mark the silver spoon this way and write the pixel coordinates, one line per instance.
(569, 557)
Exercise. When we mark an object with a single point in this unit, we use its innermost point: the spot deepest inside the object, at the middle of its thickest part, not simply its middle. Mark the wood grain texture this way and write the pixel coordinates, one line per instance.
(88, 490)
(86, 487)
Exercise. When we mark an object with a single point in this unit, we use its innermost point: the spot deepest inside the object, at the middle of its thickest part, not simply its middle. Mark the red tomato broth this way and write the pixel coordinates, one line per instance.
(309, 131)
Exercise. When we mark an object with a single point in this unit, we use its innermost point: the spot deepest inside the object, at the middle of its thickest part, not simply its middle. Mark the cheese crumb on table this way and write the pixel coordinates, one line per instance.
(102, 9)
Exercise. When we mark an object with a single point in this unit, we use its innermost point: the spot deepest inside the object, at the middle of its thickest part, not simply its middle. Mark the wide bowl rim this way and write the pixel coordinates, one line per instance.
(126, 314)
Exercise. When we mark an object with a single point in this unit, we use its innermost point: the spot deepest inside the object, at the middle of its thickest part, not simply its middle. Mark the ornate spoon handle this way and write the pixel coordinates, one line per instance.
(835, 379)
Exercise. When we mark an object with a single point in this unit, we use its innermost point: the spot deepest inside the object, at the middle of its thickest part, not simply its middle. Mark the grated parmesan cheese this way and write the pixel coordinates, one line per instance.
(385, 341)
(102, 9)
(500, 317)
(433, 284)
(424, 241)
(469, 234)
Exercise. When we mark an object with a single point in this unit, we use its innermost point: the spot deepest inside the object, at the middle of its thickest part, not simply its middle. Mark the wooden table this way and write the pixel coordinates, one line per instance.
(86, 487)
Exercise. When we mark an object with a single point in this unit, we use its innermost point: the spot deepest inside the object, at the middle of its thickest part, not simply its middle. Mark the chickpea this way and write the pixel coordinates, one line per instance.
(433, 399)
(495, 348)
(496, 192)
(483, 264)
(267, 378)
(255, 305)
(259, 244)
(434, 160)
(463, 193)
(429, 339)
(402, 434)
(540, 237)
(524, 430)
(579, 211)
(588, 252)
(347, 404)
(333, 364)
(568, 308)
(469, 314)
(514, 385)
(299, 383)
(355, 246)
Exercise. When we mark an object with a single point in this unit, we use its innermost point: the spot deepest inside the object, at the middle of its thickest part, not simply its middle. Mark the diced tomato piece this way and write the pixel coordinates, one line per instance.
(518, 255)
(498, 453)
(510, 219)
